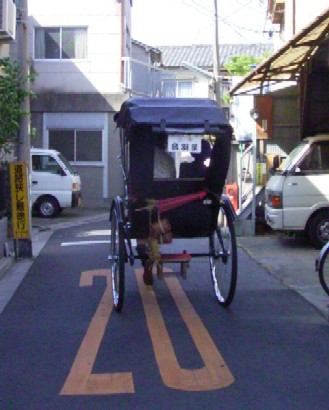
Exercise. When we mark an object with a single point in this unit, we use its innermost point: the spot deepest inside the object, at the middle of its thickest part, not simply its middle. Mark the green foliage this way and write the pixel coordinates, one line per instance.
(12, 94)
(227, 99)
(242, 65)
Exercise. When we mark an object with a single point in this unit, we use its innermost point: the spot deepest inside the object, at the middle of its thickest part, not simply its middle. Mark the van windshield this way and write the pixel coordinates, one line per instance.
(68, 166)
(291, 158)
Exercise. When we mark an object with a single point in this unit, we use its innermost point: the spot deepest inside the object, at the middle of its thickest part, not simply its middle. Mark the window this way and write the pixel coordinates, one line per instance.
(184, 89)
(77, 145)
(169, 89)
(173, 88)
(60, 43)
(317, 158)
(45, 163)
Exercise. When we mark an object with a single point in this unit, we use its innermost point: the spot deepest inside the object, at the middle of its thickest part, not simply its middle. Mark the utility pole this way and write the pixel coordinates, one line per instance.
(23, 147)
(24, 246)
(216, 67)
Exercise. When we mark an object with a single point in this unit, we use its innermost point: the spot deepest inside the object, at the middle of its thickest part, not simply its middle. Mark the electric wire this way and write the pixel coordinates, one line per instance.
(237, 28)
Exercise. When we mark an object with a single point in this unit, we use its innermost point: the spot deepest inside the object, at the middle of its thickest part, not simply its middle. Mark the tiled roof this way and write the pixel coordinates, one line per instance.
(146, 47)
(201, 55)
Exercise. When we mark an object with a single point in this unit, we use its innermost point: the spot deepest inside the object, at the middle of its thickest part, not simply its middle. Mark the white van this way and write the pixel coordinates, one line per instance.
(297, 195)
(54, 183)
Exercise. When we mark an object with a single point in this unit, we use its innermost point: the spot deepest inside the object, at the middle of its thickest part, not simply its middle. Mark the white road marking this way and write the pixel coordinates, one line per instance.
(79, 243)
(95, 233)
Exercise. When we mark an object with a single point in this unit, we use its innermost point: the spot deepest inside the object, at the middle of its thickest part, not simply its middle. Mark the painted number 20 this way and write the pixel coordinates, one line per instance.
(213, 375)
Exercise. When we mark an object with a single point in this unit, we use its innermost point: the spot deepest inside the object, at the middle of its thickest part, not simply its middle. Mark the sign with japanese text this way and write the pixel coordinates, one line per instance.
(184, 143)
(19, 198)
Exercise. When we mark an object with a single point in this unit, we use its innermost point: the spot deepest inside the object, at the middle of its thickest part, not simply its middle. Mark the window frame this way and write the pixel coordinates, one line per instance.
(83, 121)
(76, 130)
(39, 164)
(60, 28)
(174, 86)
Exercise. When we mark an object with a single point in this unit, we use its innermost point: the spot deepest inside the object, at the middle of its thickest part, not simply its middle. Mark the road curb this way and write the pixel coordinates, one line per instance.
(5, 263)
(310, 290)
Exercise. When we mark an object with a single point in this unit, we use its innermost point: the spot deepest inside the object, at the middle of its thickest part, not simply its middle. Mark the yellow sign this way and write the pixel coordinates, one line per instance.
(19, 199)
(260, 173)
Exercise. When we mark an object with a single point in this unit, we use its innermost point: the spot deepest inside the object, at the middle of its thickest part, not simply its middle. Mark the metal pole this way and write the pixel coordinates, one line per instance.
(254, 115)
(216, 67)
(24, 246)
(254, 165)
(23, 148)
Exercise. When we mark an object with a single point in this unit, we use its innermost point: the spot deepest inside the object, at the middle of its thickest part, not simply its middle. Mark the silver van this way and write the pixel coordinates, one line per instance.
(297, 195)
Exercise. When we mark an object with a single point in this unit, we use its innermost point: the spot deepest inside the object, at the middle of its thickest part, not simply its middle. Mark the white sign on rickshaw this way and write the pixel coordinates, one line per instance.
(184, 143)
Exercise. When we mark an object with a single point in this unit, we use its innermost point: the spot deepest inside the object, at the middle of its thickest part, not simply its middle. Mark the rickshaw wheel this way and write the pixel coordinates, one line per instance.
(323, 268)
(117, 262)
(223, 258)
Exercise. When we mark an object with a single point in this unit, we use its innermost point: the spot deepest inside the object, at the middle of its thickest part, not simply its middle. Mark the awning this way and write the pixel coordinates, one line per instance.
(286, 63)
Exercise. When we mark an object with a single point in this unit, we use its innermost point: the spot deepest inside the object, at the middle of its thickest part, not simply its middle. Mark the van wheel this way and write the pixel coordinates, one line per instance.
(48, 207)
(318, 230)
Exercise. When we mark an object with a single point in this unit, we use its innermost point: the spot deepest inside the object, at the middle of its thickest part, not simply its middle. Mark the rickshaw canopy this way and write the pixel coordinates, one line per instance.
(173, 115)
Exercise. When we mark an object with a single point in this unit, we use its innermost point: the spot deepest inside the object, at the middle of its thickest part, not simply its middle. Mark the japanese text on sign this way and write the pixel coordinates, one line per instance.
(184, 143)
(19, 197)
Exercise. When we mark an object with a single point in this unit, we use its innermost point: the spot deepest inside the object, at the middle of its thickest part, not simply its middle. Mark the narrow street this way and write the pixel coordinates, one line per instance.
(172, 346)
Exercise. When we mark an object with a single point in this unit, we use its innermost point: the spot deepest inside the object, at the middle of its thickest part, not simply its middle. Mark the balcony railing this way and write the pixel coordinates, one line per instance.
(143, 79)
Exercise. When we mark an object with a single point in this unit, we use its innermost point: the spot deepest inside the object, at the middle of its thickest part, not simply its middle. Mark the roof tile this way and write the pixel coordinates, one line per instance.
(201, 55)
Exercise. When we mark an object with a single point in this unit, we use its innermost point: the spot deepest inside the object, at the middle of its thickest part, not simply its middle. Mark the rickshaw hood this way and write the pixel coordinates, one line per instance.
(201, 115)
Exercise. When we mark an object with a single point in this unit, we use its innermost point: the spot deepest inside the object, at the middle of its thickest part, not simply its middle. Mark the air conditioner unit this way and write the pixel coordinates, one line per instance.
(7, 20)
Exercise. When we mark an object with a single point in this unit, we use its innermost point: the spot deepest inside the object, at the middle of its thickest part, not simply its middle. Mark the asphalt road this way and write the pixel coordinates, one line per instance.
(173, 346)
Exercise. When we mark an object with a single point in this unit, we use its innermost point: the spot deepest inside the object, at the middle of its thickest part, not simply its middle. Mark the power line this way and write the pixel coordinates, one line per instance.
(238, 27)
(195, 5)
(239, 8)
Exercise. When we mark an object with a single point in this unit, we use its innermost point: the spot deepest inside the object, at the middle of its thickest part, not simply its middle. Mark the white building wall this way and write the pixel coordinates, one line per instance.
(241, 121)
(201, 88)
(75, 93)
(100, 72)
(305, 13)
(126, 28)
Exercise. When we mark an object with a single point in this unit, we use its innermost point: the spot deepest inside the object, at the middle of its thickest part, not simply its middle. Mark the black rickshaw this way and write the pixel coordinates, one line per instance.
(160, 206)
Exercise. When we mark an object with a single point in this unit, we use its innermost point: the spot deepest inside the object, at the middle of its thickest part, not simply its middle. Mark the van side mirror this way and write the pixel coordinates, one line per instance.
(61, 172)
(276, 162)
(275, 165)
